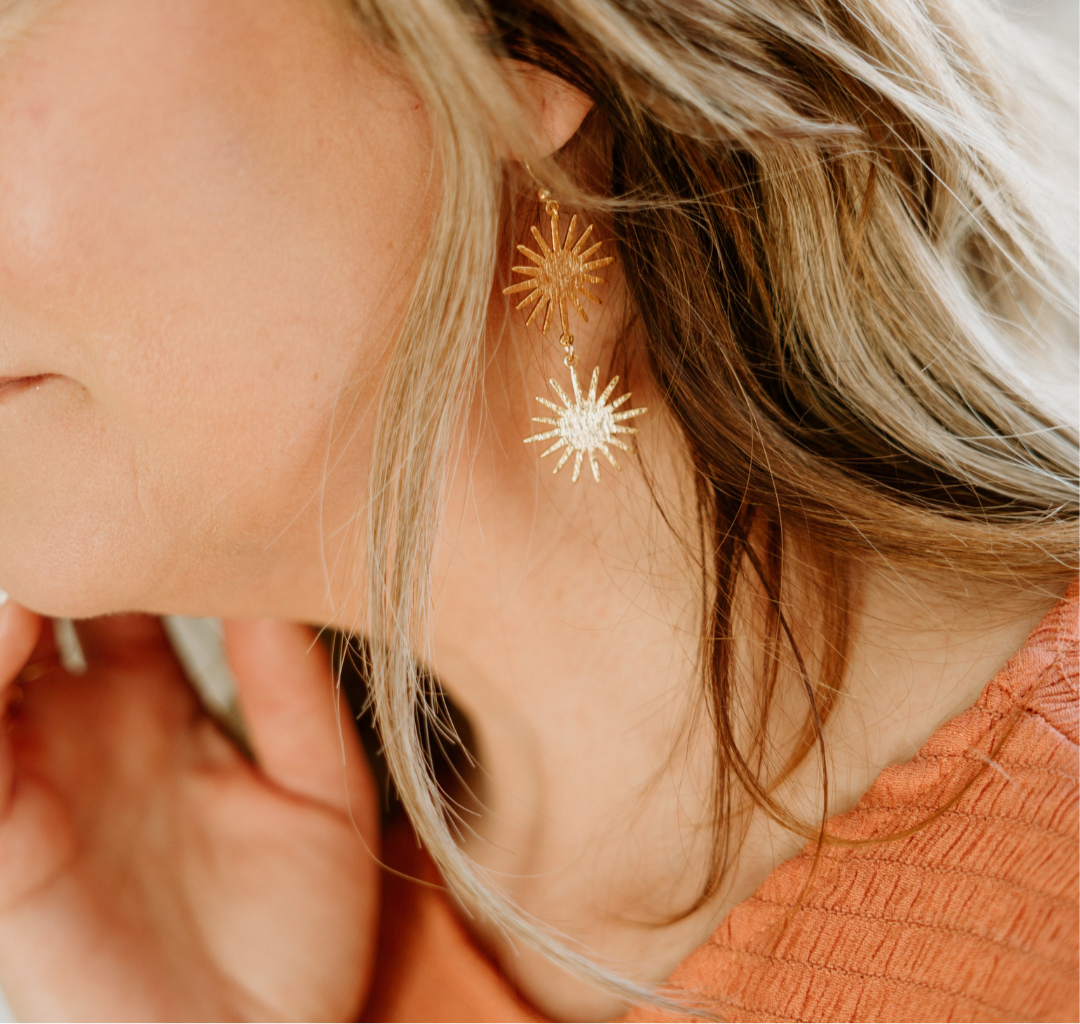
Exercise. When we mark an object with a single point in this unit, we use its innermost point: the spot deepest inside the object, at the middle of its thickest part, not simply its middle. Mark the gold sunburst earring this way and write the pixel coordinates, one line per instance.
(556, 277)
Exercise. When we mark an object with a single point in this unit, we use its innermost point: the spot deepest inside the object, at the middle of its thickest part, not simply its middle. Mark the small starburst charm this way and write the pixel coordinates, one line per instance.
(562, 271)
(585, 425)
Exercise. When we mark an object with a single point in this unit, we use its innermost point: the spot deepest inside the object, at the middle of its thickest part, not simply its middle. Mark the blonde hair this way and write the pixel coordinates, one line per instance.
(846, 245)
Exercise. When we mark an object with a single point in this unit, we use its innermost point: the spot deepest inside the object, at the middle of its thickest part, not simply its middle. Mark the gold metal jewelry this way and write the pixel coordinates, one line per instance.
(561, 271)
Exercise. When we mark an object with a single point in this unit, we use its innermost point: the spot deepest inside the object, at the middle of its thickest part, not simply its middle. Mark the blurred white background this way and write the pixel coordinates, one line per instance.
(1059, 19)
(198, 640)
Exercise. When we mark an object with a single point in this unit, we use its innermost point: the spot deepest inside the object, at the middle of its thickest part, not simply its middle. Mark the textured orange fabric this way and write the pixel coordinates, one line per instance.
(973, 917)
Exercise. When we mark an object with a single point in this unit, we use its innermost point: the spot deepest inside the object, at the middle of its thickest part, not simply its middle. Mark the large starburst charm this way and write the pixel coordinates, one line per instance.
(585, 425)
(561, 271)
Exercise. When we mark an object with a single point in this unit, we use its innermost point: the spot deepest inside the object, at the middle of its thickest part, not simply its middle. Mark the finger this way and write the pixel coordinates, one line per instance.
(20, 632)
(122, 639)
(300, 727)
(132, 670)
(45, 651)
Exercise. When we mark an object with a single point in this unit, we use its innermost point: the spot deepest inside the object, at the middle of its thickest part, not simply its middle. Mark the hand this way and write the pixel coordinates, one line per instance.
(148, 871)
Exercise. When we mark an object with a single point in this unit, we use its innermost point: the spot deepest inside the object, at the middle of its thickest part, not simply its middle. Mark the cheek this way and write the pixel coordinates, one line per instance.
(104, 512)
(202, 240)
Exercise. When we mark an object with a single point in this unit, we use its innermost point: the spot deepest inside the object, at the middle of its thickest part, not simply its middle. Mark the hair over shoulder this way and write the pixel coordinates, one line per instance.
(850, 251)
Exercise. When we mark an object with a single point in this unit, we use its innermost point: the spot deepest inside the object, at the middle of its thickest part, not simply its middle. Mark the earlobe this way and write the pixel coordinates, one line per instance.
(555, 108)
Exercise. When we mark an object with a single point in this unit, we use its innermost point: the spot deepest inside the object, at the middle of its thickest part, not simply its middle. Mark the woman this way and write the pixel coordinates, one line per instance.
(258, 363)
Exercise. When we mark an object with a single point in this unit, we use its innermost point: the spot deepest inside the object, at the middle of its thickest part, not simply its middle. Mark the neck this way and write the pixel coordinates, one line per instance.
(566, 629)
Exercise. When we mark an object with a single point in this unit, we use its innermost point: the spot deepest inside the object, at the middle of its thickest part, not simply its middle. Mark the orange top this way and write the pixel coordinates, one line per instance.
(975, 916)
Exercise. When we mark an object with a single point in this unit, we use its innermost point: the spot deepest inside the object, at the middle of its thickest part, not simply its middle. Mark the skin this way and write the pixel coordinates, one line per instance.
(151, 872)
(211, 215)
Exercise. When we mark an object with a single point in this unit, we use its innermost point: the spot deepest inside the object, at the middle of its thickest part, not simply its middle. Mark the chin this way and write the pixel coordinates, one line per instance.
(82, 599)
(71, 578)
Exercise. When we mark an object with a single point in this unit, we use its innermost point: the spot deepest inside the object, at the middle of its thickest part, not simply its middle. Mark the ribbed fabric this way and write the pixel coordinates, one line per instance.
(973, 917)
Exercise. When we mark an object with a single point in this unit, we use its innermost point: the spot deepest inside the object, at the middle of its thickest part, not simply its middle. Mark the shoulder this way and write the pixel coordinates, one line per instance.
(951, 892)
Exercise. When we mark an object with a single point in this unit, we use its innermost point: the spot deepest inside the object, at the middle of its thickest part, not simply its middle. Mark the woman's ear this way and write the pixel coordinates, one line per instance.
(554, 108)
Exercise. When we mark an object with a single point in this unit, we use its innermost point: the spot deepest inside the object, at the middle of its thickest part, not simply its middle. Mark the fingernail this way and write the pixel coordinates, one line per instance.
(3, 598)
